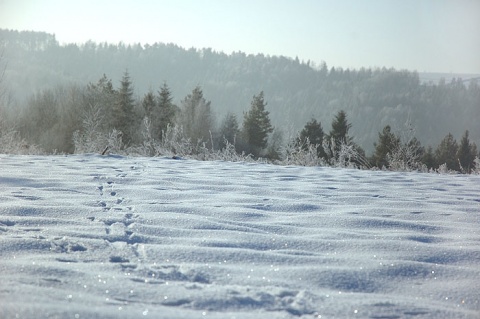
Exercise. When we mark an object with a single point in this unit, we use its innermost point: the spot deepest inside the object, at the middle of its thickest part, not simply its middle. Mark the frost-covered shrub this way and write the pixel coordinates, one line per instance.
(405, 157)
(12, 143)
(443, 169)
(302, 153)
(344, 155)
(149, 146)
(92, 138)
(98, 142)
(229, 153)
(476, 167)
(174, 142)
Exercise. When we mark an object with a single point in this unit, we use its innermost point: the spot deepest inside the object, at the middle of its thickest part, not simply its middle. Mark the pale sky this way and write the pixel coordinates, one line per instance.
(421, 35)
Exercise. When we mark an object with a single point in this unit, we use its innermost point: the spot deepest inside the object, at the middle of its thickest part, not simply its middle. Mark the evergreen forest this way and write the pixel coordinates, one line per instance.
(162, 99)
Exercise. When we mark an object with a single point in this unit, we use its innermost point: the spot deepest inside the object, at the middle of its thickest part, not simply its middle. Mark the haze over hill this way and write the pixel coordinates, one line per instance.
(295, 90)
(428, 36)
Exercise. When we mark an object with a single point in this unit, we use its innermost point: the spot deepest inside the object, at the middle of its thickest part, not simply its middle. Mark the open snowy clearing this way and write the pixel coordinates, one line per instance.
(118, 237)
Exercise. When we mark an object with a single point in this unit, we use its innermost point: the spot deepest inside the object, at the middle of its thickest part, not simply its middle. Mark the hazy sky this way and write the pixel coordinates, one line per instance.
(422, 35)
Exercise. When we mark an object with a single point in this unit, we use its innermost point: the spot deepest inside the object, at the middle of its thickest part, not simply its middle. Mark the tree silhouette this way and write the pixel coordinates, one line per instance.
(313, 133)
(388, 142)
(256, 125)
(446, 152)
(466, 153)
(124, 116)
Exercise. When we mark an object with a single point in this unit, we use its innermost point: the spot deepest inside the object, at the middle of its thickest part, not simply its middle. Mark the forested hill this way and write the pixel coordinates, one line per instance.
(295, 90)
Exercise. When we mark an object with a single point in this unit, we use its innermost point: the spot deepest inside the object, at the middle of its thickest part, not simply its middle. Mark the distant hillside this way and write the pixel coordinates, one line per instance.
(435, 78)
(295, 90)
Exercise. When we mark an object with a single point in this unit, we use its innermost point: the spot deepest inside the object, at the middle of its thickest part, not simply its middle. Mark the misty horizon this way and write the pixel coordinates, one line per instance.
(424, 36)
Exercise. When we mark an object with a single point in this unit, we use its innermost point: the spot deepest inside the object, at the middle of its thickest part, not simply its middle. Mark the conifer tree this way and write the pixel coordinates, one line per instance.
(229, 130)
(313, 133)
(340, 128)
(124, 116)
(446, 153)
(388, 142)
(466, 154)
(256, 126)
(149, 104)
(338, 135)
(428, 158)
(165, 113)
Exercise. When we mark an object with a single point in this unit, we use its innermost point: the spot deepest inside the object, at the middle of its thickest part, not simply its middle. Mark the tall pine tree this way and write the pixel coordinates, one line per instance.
(338, 135)
(124, 115)
(256, 126)
(165, 114)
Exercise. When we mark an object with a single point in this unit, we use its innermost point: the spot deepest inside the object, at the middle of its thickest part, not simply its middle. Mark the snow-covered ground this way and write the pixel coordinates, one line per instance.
(118, 237)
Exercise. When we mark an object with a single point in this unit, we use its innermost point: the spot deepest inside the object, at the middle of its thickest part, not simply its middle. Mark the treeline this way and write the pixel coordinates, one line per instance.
(297, 90)
(100, 117)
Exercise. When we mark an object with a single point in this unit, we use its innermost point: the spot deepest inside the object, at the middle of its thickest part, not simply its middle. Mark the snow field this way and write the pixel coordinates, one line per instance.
(87, 236)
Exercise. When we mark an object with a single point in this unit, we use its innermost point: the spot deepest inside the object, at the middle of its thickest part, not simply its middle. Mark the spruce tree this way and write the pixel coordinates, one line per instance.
(339, 134)
(165, 113)
(428, 158)
(340, 128)
(313, 133)
(466, 154)
(388, 142)
(229, 130)
(124, 117)
(256, 125)
(149, 104)
(446, 153)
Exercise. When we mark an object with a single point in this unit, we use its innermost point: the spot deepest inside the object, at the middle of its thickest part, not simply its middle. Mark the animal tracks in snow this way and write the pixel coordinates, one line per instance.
(122, 237)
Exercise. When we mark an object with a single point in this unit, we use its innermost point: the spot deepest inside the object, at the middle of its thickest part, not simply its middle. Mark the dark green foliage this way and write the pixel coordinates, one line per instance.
(466, 154)
(340, 128)
(124, 118)
(256, 125)
(166, 110)
(160, 110)
(446, 153)
(338, 135)
(149, 104)
(428, 158)
(229, 131)
(313, 134)
(388, 142)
